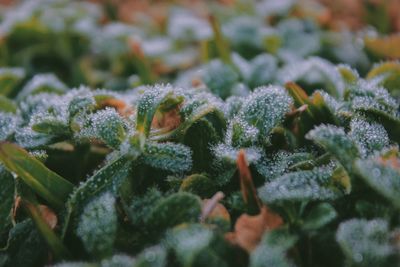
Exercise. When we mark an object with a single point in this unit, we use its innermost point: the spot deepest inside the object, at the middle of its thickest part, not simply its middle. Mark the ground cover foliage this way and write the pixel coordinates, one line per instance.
(236, 133)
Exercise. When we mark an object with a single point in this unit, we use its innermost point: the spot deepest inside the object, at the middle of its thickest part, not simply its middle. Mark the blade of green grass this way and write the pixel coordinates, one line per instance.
(35, 174)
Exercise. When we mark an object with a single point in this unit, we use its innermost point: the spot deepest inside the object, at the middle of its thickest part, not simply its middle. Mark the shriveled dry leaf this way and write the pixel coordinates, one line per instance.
(211, 208)
(168, 120)
(120, 106)
(48, 215)
(250, 229)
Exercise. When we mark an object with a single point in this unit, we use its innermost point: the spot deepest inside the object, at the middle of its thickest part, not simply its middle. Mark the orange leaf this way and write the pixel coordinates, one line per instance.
(246, 184)
(250, 229)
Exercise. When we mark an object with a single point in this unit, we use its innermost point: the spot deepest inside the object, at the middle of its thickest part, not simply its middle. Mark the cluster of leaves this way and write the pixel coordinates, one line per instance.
(265, 152)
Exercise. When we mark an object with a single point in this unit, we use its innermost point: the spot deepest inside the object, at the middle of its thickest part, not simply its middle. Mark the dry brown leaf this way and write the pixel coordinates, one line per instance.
(120, 106)
(48, 215)
(211, 208)
(387, 47)
(250, 229)
(168, 120)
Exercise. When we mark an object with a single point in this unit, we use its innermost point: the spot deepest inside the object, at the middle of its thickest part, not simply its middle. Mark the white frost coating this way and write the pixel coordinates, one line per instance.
(314, 69)
(369, 137)
(98, 224)
(266, 107)
(365, 242)
(300, 186)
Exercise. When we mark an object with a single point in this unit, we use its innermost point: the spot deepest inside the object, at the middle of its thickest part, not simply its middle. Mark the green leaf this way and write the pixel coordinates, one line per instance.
(98, 225)
(51, 127)
(35, 174)
(9, 79)
(220, 78)
(7, 199)
(7, 105)
(335, 141)
(369, 136)
(390, 122)
(52, 240)
(167, 156)
(9, 125)
(272, 250)
(200, 185)
(316, 184)
(265, 108)
(25, 247)
(107, 179)
(383, 178)
(316, 112)
(106, 125)
(314, 73)
(176, 209)
(40, 83)
(152, 99)
(185, 249)
(155, 256)
(319, 216)
(366, 243)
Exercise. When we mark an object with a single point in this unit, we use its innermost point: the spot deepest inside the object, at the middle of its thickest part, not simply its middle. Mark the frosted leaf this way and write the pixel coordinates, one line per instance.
(241, 64)
(348, 74)
(45, 105)
(369, 136)
(232, 106)
(300, 39)
(119, 260)
(275, 165)
(168, 156)
(240, 133)
(272, 252)
(240, 89)
(151, 100)
(265, 108)
(81, 100)
(336, 142)
(157, 46)
(187, 242)
(112, 39)
(8, 124)
(366, 95)
(173, 210)
(220, 78)
(300, 186)
(243, 33)
(262, 70)
(270, 7)
(314, 71)
(382, 178)
(365, 243)
(186, 26)
(98, 225)
(155, 256)
(27, 138)
(106, 125)
(42, 83)
(226, 153)
(74, 264)
(107, 179)
(140, 207)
